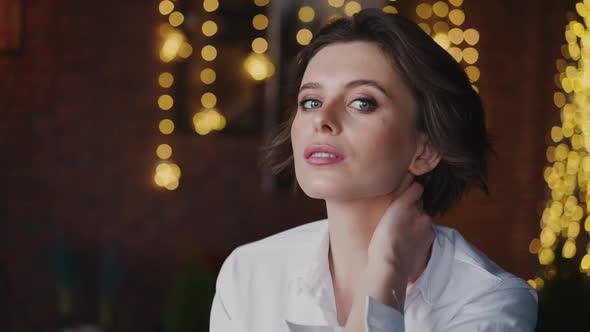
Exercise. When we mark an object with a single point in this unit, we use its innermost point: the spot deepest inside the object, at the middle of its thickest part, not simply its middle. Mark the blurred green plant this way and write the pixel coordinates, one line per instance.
(189, 304)
(564, 299)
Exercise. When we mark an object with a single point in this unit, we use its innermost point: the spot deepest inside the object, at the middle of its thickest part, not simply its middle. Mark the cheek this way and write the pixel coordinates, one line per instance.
(295, 135)
(386, 152)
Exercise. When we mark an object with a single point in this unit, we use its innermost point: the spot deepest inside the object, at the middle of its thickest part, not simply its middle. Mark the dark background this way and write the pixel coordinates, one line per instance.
(78, 132)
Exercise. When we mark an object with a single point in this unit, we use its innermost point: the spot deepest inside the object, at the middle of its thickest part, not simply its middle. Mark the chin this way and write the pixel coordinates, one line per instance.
(321, 190)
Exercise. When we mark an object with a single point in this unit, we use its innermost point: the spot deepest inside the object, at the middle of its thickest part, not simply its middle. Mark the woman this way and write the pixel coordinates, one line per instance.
(389, 133)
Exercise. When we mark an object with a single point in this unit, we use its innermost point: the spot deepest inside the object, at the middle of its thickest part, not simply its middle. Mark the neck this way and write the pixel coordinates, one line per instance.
(351, 226)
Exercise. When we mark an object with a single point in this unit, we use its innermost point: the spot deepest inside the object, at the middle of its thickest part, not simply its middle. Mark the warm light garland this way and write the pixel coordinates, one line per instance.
(447, 19)
(208, 118)
(257, 64)
(568, 173)
(174, 45)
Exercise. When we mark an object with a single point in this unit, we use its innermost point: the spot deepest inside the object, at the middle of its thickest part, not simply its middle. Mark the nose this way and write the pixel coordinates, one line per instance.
(327, 119)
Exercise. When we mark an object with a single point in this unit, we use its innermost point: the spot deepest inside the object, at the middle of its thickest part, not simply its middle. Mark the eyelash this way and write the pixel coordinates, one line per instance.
(372, 104)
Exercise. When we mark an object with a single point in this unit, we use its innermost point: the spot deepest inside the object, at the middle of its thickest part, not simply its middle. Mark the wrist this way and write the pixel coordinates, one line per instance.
(383, 281)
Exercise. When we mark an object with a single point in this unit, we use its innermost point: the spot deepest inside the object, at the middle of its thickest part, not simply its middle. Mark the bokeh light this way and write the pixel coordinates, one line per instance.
(304, 36)
(165, 80)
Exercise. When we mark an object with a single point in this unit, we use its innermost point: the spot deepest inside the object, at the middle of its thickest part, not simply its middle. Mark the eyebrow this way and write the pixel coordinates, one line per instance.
(351, 84)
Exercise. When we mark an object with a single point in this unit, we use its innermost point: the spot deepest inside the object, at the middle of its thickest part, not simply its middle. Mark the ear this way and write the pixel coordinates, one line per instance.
(426, 157)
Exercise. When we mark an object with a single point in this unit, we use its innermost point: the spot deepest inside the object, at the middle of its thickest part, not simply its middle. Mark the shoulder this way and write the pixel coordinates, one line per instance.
(469, 263)
(267, 263)
(475, 282)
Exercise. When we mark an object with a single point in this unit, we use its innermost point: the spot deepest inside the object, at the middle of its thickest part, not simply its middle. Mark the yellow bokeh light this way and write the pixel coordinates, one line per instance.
(556, 134)
(456, 53)
(532, 283)
(578, 29)
(336, 3)
(456, 36)
(166, 7)
(259, 66)
(425, 27)
(582, 9)
(457, 17)
(352, 7)
(185, 50)
(164, 151)
(208, 100)
(175, 19)
(208, 53)
(165, 102)
(210, 5)
(167, 175)
(569, 249)
(440, 27)
(546, 256)
(208, 76)
(208, 120)
(165, 80)
(473, 73)
(209, 28)
(559, 99)
(166, 126)
(440, 9)
(534, 246)
(471, 36)
(470, 55)
(306, 14)
(424, 10)
(547, 238)
(585, 264)
(260, 22)
(304, 36)
(456, 3)
(261, 3)
(550, 154)
(539, 282)
(442, 39)
(171, 46)
(573, 229)
(259, 45)
(390, 10)
(172, 185)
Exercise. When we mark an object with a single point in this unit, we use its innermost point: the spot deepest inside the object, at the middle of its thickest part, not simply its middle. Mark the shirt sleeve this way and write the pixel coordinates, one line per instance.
(382, 318)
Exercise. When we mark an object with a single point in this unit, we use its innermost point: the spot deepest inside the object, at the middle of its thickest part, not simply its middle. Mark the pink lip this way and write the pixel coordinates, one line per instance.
(322, 148)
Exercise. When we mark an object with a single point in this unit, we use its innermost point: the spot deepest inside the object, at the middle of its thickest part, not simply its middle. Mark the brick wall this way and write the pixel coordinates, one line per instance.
(78, 133)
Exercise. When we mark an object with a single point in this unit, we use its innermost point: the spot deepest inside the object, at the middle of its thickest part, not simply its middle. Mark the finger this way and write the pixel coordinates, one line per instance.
(403, 186)
(412, 194)
(406, 182)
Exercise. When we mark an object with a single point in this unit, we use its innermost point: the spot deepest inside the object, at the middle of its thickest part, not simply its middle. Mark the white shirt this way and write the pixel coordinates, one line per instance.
(283, 284)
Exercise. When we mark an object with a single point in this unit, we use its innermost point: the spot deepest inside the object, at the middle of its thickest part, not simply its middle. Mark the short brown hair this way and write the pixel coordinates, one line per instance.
(450, 112)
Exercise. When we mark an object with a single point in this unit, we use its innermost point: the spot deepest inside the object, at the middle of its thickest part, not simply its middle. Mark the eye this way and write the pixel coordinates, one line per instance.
(310, 103)
(364, 104)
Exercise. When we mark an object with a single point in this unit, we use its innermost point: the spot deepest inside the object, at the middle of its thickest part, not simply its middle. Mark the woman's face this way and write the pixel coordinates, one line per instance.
(354, 134)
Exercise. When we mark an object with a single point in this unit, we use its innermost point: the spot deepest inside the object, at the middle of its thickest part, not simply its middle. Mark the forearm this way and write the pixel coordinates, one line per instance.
(379, 281)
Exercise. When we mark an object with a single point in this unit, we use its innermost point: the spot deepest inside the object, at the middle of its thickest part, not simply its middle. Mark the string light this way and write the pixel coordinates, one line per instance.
(306, 15)
(443, 21)
(568, 172)
(208, 76)
(257, 64)
(174, 46)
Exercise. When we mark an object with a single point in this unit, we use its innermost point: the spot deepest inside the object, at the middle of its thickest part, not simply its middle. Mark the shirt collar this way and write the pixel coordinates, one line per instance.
(310, 293)
(433, 281)
(310, 287)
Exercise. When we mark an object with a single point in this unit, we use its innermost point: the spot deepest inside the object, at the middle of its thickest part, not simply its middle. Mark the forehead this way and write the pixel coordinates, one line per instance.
(349, 61)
